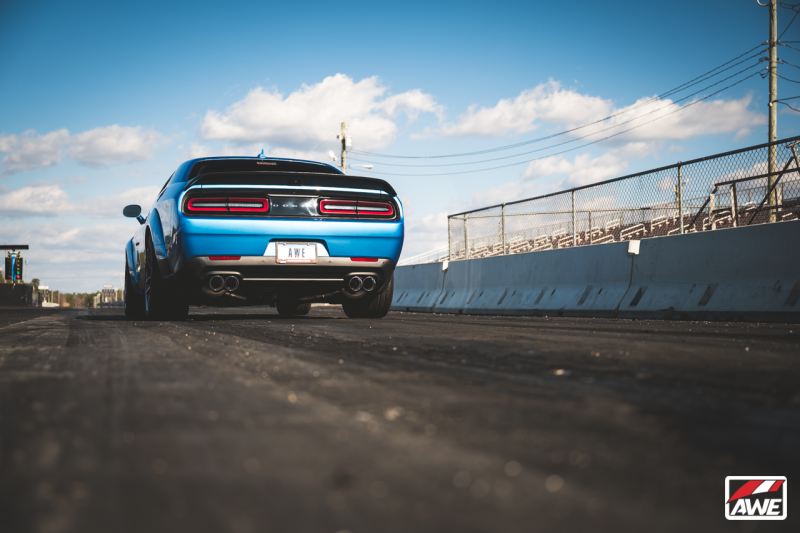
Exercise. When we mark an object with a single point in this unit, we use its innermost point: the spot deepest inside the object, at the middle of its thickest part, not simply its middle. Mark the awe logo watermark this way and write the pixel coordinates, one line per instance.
(755, 498)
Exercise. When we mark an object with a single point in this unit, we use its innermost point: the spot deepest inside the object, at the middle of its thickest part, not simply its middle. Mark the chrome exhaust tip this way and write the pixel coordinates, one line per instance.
(370, 283)
(216, 283)
(231, 283)
(355, 284)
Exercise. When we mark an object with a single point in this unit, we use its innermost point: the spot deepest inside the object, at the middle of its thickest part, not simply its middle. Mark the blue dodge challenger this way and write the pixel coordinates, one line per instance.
(228, 231)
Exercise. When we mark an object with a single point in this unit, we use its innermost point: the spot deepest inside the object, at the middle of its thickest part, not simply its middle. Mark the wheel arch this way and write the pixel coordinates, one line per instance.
(154, 236)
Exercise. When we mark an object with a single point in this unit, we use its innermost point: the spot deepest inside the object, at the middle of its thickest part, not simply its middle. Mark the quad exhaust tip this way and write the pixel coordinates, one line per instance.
(369, 283)
(355, 283)
(216, 283)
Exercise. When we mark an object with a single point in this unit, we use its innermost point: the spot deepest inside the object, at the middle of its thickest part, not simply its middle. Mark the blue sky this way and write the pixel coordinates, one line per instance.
(100, 102)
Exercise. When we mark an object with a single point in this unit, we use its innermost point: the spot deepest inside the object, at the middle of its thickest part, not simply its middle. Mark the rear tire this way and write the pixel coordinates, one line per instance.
(134, 303)
(161, 302)
(287, 308)
(375, 307)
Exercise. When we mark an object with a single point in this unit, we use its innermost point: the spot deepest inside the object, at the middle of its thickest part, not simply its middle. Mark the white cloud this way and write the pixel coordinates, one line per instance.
(546, 102)
(313, 113)
(584, 169)
(49, 200)
(694, 119)
(95, 148)
(36, 200)
(30, 151)
(411, 103)
(550, 103)
(113, 145)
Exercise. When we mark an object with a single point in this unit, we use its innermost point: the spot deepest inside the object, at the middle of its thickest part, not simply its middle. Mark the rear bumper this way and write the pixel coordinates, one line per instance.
(262, 279)
(342, 239)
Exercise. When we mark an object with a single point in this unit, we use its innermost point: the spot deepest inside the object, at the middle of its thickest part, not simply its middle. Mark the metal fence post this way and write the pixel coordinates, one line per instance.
(734, 207)
(466, 237)
(574, 222)
(680, 195)
(711, 206)
(503, 227)
(449, 245)
(590, 227)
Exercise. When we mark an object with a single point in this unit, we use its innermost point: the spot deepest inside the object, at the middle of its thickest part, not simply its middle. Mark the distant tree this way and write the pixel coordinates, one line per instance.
(35, 282)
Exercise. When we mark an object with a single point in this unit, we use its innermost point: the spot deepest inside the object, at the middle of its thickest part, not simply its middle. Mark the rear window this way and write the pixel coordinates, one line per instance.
(255, 165)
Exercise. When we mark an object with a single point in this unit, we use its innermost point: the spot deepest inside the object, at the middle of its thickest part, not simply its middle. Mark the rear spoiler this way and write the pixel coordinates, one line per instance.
(298, 179)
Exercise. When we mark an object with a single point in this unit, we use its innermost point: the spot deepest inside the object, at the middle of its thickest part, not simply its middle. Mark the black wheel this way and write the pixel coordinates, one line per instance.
(287, 308)
(134, 303)
(371, 307)
(160, 301)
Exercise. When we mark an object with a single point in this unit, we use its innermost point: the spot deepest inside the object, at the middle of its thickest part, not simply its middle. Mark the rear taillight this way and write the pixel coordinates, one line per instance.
(207, 204)
(365, 259)
(228, 205)
(248, 205)
(337, 207)
(224, 257)
(352, 207)
(380, 209)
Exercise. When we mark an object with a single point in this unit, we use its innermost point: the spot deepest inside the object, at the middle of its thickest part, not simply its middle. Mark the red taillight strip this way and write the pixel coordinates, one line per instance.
(236, 205)
(249, 205)
(337, 207)
(207, 204)
(365, 259)
(224, 257)
(380, 209)
(351, 207)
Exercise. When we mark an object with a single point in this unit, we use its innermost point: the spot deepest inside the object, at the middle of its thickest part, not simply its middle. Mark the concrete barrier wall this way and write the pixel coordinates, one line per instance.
(750, 273)
(422, 284)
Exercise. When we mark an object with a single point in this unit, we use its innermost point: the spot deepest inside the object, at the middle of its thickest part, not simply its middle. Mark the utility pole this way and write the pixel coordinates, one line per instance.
(344, 150)
(773, 106)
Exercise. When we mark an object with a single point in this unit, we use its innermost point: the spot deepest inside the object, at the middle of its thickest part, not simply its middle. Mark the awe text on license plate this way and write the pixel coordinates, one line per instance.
(293, 252)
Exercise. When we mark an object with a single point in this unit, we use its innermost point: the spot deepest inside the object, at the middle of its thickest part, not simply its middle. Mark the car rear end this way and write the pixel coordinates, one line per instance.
(250, 237)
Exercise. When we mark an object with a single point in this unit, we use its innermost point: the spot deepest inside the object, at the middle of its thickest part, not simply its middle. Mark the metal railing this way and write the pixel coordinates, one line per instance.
(752, 185)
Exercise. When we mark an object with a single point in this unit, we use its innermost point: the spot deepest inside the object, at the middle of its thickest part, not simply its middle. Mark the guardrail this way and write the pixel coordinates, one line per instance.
(754, 185)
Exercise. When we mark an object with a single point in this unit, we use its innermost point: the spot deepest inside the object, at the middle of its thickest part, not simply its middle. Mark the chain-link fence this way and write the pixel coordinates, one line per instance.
(753, 185)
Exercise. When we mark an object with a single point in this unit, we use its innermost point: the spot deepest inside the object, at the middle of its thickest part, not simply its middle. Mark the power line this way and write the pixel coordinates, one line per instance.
(571, 140)
(681, 87)
(320, 144)
(787, 63)
(787, 79)
(790, 7)
(575, 147)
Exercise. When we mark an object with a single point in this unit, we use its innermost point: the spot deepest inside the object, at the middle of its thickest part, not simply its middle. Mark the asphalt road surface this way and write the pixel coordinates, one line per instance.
(239, 421)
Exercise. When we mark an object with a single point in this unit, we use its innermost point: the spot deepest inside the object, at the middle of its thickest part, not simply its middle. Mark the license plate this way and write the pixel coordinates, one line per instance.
(294, 252)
